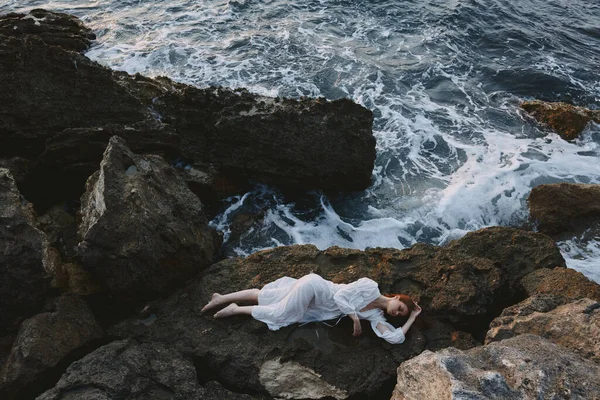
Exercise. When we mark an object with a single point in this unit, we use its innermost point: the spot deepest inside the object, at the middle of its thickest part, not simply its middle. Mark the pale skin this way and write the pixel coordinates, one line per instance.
(391, 305)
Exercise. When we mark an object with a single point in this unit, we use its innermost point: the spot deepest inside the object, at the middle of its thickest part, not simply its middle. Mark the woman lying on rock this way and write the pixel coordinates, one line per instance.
(312, 298)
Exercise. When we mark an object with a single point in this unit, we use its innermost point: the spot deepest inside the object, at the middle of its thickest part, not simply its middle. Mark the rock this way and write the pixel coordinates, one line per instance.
(143, 232)
(55, 29)
(24, 258)
(44, 341)
(55, 222)
(457, 287)
(564, 207)
(309, 143)
(127, 369)
(563, 282)
(567, 120)
(55, 100)
(575, 325)
(525, 367)
(20, 168)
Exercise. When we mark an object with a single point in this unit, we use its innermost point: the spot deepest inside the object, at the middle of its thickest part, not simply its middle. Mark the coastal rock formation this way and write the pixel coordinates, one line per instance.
(24, 261)
(526, 367)
(142, 230)
(44, 341)
(563, 282)
(566, 119)
(55, 29)
(575, 325)
(564, 207)
(458, 287)
(56, 100)
(127, 369)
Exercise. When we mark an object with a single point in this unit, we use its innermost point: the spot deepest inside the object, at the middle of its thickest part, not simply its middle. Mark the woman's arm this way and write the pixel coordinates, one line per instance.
(395, 336)
(411, 319)
(357, 325)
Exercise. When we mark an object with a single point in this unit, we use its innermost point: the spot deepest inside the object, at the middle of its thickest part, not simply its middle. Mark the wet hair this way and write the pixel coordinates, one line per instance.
(407, 300)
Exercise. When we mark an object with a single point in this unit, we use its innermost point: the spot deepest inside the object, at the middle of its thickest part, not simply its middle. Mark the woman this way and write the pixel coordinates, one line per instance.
(312, 298)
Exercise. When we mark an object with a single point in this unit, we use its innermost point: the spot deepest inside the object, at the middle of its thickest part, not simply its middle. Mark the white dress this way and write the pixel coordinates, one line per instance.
(312, 298)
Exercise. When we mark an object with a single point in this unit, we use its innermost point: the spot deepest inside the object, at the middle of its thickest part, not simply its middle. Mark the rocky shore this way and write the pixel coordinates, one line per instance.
(107, 256)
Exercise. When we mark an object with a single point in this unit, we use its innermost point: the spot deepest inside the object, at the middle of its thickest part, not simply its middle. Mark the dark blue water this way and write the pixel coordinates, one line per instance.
(443, 78)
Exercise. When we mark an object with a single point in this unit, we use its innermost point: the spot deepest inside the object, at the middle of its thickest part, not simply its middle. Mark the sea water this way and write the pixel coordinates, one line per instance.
(444, 79)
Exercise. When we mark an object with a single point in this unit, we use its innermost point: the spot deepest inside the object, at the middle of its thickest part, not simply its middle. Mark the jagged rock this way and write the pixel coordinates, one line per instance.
(143, 232)
(564, 207)
(23, 258)
(522, 368)
(127, 369)
(54, 100)
(566, 119)
(55, 29)
(457, 287)
(20, 168)
(44, 341)
(563, 282)
(575, 325)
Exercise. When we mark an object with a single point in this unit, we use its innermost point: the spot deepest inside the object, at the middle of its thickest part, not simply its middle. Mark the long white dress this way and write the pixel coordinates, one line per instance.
(312, 298)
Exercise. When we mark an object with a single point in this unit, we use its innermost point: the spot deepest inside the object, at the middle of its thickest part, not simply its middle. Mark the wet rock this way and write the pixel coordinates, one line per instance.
(457, 287)
(306, 143)
(143, 232)
(564, 207)
(127, 369)
(566, 119)
(564, 282)
(575, 325)
(23, 260)
(524, 367)
(55, 29)
(56, 100)
(44, 341)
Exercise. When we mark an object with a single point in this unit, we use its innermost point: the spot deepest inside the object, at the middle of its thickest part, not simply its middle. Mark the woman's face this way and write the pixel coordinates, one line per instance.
(396, 307)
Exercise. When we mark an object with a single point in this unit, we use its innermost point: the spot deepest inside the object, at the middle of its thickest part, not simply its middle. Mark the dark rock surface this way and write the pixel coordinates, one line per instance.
(456, 285)
(525, 367)
(44, 341)
(24, 262)
(575, 325)
(143, 232)
(304, 143)
(127, 369)
(564, 207)
(55, 29)
(566, 119)
(55, 99)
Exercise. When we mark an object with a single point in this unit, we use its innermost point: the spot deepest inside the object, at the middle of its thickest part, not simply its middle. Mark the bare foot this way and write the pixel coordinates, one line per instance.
(215, 301)
(227, 311)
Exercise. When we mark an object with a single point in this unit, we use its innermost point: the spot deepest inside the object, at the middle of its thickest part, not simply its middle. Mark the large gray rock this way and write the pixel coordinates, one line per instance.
(522, 368)
(457, 286)
(143, 232)
(44, 341)
(24, 262)
(127, 370)
(575, 325)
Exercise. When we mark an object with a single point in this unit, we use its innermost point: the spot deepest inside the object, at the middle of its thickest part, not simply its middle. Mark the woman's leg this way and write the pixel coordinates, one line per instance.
(249, 295)
(234, 309)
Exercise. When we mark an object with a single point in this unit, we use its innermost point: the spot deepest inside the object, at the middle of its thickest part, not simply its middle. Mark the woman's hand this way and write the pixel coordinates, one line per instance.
(357, 328)
(415, 313)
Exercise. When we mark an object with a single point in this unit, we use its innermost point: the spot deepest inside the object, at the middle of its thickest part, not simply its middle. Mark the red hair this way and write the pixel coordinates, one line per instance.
(407, 300)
